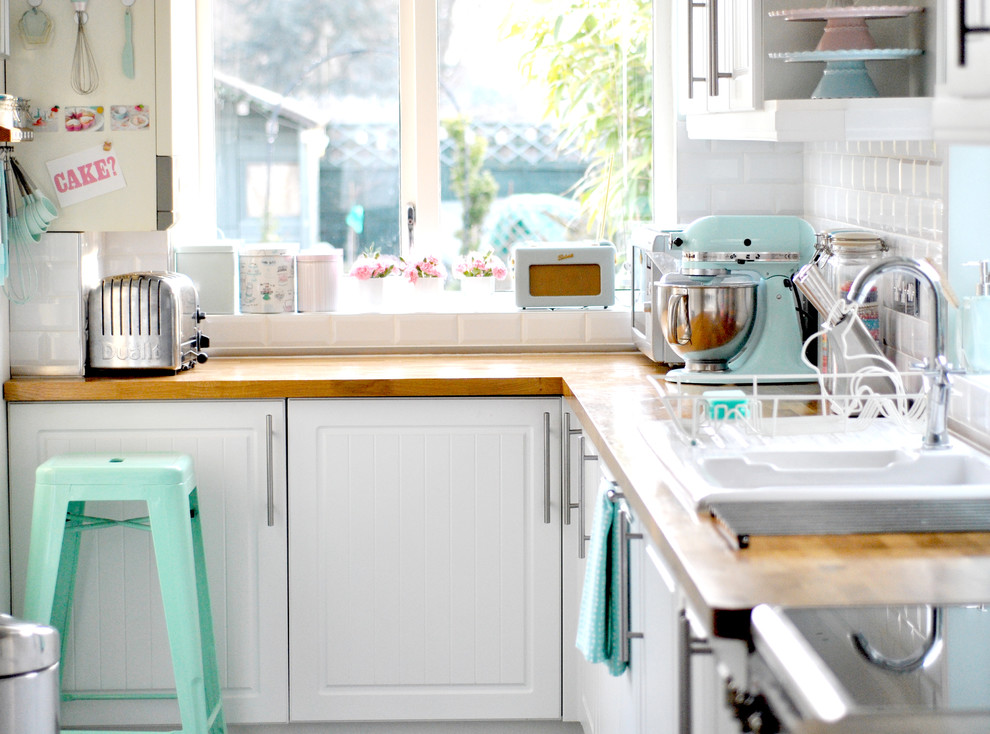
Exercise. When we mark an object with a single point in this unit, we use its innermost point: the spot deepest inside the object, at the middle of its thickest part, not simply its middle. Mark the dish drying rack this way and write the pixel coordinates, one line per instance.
(755, 410)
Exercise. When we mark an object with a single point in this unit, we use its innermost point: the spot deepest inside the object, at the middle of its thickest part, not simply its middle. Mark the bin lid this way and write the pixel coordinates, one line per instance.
(319, 253)
(217, 248)
(26, 647)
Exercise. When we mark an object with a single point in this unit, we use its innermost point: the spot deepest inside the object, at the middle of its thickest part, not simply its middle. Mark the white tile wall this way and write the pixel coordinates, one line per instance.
(897, 189)
(47, 334)
(728, 177)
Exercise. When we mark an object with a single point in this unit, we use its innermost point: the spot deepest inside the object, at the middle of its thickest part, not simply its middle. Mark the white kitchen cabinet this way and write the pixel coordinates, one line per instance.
(580, 465)
(720, 64)
(133, 160)
(732, 90)
(644, 699)
(119, 643)
(962, 103)
(424, 559)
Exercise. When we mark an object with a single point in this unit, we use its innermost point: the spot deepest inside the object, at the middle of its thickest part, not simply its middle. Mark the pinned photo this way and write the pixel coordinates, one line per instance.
(78, 119)
(46, 119)
(129, 117)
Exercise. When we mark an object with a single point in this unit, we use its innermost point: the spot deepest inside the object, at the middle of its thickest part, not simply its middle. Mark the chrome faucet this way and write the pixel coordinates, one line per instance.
(936, 365)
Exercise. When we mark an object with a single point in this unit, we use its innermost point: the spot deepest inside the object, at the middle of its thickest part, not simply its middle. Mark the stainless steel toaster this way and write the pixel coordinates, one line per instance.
(145, 321)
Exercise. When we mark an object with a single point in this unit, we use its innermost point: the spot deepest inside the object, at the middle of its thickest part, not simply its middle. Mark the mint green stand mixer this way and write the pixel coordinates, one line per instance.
(732, 312)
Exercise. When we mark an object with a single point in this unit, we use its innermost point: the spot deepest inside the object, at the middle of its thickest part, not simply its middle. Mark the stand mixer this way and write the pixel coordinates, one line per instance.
(732, 312)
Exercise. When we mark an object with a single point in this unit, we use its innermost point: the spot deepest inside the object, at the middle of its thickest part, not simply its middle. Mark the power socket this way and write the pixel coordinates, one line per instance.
(904, 295)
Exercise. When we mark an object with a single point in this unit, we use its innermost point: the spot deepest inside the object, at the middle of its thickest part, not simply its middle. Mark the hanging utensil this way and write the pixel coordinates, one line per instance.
(85, 76)
(46, 210)
(30, 217)
(35, 26)
(22, 282)
(127, 56)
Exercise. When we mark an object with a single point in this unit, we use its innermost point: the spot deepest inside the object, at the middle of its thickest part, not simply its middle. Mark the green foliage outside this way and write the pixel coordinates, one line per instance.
(474, 186)
(597, 58)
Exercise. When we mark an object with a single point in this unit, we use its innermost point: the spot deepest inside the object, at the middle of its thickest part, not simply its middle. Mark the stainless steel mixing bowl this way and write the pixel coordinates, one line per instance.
(706, 319)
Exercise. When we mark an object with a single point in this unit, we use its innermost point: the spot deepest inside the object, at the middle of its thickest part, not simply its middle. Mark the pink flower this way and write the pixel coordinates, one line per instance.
(428, 267)
(480, 265)
(375, 265)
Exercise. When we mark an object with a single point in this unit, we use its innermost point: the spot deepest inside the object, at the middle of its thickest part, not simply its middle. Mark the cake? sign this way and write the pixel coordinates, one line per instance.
(85, 175)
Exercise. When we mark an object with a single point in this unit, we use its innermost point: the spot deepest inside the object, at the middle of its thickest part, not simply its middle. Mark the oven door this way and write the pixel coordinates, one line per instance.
(904, 669)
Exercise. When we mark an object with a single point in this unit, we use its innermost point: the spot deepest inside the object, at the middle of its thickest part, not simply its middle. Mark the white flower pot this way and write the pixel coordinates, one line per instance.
(474, 288)
(427, 292)
(371, 292)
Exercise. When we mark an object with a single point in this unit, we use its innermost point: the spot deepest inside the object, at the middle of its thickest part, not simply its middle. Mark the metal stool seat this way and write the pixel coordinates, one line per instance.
(166, 482)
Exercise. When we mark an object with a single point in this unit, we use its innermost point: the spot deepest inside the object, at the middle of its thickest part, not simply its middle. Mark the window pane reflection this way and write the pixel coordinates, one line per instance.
(307, 110)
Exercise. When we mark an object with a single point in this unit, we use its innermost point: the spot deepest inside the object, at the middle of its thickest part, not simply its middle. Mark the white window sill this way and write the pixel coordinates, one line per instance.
(451, 324)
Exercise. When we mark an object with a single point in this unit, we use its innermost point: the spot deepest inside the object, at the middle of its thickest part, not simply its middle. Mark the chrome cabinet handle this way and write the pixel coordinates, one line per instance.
(687, 646)
(271, 471)
(582, 536)
(546, 468)
(566, 461)
(713, 73)
(625, 522)
(692, 6)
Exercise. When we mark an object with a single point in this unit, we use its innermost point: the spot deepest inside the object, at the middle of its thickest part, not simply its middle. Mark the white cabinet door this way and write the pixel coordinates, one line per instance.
(645, 698)
(580, 481)
(718, 65)
(658, 604)
(118, 635)
(967, 54)
(424, 573)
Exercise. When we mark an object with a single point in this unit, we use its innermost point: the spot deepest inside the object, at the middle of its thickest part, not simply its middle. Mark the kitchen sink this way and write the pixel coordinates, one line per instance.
(831, 473)
(874, 480)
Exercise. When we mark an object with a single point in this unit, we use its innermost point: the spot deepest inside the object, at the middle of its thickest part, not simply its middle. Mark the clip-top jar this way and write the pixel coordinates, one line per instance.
(846, 254)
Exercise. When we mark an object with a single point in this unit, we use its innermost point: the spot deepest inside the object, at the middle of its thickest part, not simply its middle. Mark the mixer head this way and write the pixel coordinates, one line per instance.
(769, 245)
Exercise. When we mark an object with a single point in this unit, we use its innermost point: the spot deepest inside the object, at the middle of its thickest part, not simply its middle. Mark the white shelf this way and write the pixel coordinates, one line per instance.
(813, 120)
(962, 120)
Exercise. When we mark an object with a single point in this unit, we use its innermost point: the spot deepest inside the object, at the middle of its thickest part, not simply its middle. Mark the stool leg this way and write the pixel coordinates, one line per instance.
(66, 585)
(45, 552)
(210, 673)
(172, 534)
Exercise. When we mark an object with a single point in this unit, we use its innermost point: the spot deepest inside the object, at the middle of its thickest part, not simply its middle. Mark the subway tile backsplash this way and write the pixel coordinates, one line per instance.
(729, 177)
(47, 334)
(896, 189)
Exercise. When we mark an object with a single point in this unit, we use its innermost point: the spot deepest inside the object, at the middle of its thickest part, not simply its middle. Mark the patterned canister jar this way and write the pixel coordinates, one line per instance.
(268, 279)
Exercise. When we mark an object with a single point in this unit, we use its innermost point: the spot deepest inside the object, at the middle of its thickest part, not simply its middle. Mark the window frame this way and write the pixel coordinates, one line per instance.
(419, 120)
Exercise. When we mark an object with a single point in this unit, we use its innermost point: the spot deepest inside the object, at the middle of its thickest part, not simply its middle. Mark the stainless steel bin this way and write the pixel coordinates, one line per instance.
(29, 678)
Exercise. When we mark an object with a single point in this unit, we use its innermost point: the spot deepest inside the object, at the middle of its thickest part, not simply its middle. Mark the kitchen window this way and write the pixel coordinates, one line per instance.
(332, 118)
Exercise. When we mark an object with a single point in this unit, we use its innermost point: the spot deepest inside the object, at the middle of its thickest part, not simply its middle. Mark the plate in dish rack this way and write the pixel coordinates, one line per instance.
(867, 54)
(859, 11)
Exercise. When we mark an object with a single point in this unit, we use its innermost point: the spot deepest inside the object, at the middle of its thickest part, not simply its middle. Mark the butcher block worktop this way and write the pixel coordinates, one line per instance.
(612, 397)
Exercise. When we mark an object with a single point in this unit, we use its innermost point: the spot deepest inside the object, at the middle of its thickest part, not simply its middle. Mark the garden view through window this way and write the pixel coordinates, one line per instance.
(544, 122)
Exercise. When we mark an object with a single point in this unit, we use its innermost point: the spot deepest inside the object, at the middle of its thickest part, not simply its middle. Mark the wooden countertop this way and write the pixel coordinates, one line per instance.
(612, 398)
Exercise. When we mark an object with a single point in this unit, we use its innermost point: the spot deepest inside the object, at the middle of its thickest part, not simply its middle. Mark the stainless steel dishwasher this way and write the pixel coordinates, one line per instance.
(29, 677)
(900, 668)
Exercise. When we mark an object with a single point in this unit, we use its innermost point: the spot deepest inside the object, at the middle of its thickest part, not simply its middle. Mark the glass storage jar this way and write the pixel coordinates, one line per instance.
(846, 254)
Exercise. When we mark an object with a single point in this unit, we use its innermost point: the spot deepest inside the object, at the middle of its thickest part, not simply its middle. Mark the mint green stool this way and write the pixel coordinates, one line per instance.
(63, 485)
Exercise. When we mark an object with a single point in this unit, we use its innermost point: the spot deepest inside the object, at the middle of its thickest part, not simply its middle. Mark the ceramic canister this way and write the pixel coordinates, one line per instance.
(213, 269)
(318, 277)
(268, 280)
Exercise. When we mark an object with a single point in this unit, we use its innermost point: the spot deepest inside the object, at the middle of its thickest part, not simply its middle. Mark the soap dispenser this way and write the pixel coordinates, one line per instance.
(975, 323)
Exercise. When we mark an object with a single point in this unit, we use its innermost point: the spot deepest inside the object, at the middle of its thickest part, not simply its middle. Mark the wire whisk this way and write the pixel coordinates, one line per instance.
(85, 75)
